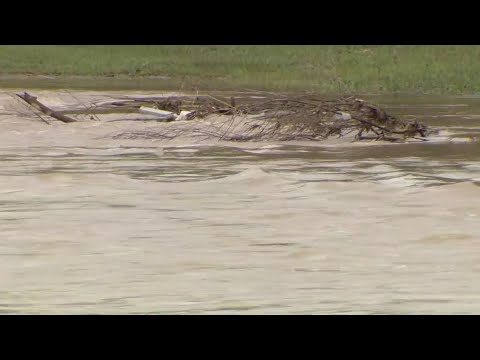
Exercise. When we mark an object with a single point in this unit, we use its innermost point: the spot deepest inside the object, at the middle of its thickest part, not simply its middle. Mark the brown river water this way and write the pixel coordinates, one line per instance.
(94, 225)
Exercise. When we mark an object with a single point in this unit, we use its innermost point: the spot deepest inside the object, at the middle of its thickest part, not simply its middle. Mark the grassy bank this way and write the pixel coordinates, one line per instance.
(338, 69)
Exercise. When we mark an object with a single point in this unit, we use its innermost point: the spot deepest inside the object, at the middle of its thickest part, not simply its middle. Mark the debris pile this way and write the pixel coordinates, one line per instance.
(271, 117)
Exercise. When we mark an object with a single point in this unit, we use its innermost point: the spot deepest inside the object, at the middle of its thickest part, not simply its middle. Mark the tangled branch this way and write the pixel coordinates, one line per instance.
(287, 117)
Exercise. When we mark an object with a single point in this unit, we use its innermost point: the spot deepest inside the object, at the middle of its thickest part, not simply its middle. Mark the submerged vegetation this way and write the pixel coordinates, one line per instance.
(326, 69)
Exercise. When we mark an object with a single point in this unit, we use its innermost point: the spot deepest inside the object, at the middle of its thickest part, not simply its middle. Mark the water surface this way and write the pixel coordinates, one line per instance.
(90, 224)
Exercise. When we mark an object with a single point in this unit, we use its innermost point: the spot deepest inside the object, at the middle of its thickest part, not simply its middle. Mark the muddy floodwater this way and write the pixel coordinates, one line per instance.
(95, 225)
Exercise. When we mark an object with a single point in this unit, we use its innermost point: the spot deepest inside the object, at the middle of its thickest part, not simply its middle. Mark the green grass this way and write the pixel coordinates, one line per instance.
(338, 69)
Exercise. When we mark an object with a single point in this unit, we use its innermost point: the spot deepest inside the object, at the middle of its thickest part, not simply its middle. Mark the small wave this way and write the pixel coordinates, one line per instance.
(254, 176)
(403, 181)
(380, 169)
(462, 140)
(115, 151)
(469, 187)
(271, 146)
(272, 151)
(54, 154)
(184, 150)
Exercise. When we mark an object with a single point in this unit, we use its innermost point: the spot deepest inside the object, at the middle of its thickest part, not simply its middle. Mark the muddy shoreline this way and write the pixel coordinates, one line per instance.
(79, 82)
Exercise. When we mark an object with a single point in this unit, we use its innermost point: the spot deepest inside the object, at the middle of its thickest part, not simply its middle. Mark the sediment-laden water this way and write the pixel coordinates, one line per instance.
(90, 224)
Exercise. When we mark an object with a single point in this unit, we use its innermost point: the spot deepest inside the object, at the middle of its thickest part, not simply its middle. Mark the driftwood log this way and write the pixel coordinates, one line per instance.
(32, 100)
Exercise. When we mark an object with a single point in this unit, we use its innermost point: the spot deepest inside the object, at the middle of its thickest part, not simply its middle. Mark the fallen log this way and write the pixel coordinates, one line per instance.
(32, 100)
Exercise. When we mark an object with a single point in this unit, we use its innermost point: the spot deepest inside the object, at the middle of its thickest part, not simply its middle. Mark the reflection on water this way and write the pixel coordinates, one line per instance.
(102, 226)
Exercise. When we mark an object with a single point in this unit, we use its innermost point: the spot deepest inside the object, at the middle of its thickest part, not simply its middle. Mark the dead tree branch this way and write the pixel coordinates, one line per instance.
(32, 100)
